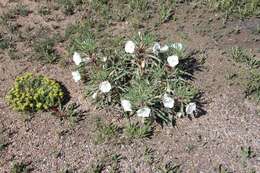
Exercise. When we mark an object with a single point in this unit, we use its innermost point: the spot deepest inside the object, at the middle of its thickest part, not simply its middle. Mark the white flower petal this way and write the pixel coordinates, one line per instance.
(173, 60)
(126, 105)
(130, 47)
(191, 108)
(104, 59)
(179, 114)
(143, 64)
(144, 112)
(94, 96)
(105, 87)
(168, 102)
(156, 48)
(76, 76)
(164, 49)
(139, 34)
(76, 58)
(177, 46)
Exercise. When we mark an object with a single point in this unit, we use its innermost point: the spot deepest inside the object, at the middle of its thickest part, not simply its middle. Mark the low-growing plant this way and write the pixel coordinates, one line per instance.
(19, 168)
(241, 8)
(134, 11)
(7, 19)
(44, 10)
(81, 38)
(96, 168)
(69, 111)
(222, 169)
(246, 152)
(105, 132)
(22, 10)
(108, 162)
(66, 170)
(170, 167)
(136, 130)
(166, 10)
(2, 146)
(5, 42)
(19, 9)
(146, 79)
(3, 142)
(252, 87)
(45, 51)
(241, 55)
(139, 5)
(33, 93)
(69, 6)
(114, 163)
(149, 155)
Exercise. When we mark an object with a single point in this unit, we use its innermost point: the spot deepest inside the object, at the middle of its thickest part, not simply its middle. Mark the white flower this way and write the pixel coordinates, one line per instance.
(104, 59)
(164, 49)
(179, 114)
(94, 96)
(168, 102)
(76, 58)
(143, 64)
(144, 112)
(191, 108)
(173, 60)
(126, 105)
(105, 87)
(139, 34)
(156, 48)
(130, 47)
(178, 46)
(76, 76)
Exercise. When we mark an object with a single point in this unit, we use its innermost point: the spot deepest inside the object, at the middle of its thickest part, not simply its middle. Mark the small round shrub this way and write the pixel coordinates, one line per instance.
(34, 93)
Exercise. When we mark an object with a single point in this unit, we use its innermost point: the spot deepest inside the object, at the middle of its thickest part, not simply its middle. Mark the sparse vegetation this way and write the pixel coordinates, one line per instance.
(140, 71)
(135, 130)
(107, 162)
(3, 142)
(222, 169)
(19, 168)
(69, 111)
(246, 152)
(45, 50)
(22, 10)
(18, 10)
(5, 42)
(69, 6)
(242, 8)
(44, 10)
(166, 10)
(105, 132)
(170, 167)
(149, 155)
(241, 55)
(253, 85)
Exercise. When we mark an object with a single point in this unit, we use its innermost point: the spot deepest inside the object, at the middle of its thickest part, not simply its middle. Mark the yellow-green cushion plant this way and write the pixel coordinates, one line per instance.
(34, 93)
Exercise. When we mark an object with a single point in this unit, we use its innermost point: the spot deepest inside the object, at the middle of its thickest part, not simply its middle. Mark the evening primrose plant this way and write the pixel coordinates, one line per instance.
(145, 79)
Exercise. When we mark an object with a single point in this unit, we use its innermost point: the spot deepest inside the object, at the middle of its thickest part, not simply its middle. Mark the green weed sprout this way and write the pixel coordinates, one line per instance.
(32, 93)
